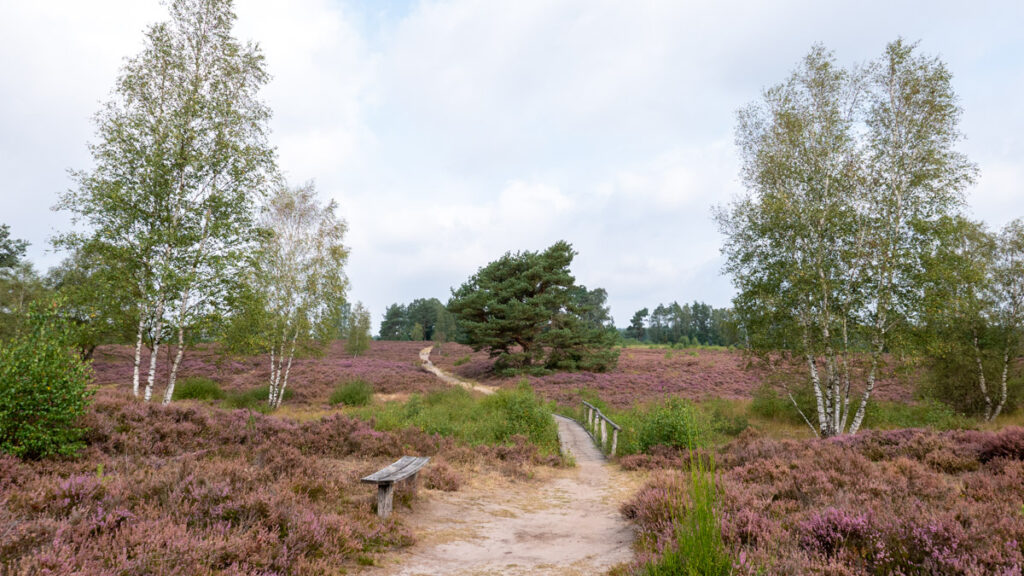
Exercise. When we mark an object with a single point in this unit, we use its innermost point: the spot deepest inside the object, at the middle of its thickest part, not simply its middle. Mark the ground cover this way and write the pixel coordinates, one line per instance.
(389, 367)
(647, 374)
(881, 502)
(193, 489)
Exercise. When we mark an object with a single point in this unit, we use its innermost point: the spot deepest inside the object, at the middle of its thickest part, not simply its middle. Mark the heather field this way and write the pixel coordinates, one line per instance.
(645, 375)
(191, 489)
(390, 367)
(903, 502)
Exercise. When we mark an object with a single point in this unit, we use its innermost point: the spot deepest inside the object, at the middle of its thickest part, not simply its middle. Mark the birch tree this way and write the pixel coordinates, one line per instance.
(357, 331)
(297, 280)
(845, 169)
(181, 163)
(1008, 297)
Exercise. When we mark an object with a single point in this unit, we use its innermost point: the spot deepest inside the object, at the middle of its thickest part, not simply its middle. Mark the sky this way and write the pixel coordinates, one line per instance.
(453, 132)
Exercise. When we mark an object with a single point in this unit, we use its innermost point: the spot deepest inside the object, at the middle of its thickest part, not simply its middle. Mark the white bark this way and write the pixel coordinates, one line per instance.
(169, 393)
(157, 334)
(981, 378)
(138, 354)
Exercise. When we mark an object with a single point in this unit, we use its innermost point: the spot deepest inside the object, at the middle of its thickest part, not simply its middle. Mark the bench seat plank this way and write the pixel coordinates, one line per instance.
(385, 478)
(400, 470)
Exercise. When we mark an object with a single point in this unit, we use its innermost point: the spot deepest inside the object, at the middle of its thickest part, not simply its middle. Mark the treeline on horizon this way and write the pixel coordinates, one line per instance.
(696, 324)
(692, 324)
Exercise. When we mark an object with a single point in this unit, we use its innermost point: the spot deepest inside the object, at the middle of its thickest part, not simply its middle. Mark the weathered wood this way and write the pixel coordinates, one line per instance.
(597, 421)
(406, 467)
(385, 498)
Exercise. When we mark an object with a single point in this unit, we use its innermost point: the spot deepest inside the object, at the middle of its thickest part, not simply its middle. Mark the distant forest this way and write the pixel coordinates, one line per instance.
(696, 324)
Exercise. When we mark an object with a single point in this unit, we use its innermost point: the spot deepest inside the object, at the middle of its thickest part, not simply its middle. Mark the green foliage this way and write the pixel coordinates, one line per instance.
(180, 165)
(43, 388)
(253, 399)
(700, 549)
(464, 360)
(927, 414)
(198, 388)
(724, 417)
(94, 291)
(12, 250)
(358, 338)
(416, 332)
(675, 423)
(20, 286)
(434, 321)
(526, 310)
(770, 404)
(827, 246)
(352, 393)
(490, 420)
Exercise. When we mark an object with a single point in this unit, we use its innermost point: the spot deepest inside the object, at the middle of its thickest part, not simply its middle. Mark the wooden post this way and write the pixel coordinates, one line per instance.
(385, 498)
(615, 440)
(604, 434)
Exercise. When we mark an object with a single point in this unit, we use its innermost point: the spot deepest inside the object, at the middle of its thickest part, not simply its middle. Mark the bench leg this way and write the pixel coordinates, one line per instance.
(385, 498)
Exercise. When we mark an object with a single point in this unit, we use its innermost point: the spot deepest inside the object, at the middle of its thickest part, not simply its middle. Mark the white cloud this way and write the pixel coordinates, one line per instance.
(458, 130)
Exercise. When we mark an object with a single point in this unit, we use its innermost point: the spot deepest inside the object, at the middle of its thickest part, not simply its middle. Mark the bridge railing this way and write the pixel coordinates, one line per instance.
(597, 424)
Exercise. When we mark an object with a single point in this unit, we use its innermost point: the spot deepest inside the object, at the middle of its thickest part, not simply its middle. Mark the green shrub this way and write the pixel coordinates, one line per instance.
(463, 360)
(926, 414)
(522, 412)
(725, 417)
(351, 393)
(770, 404)
(253, 399)
(197, 388)
(953, 380)
(43, 388)
(675, 423)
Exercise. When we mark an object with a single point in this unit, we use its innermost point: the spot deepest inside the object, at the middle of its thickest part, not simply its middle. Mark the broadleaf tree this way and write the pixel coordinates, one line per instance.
(846, 172)
(295, 288)
(181, 164)
(526, 310)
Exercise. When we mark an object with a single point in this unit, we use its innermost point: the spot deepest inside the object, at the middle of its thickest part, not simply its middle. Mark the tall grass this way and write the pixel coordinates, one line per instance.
(458, 413)
(699, 548)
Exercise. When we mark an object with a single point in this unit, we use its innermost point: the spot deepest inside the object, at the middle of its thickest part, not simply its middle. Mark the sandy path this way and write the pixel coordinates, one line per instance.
(565, 522)
(429, 367)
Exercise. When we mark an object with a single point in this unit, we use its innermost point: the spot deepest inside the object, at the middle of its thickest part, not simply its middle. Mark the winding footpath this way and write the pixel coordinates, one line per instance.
(565, 522)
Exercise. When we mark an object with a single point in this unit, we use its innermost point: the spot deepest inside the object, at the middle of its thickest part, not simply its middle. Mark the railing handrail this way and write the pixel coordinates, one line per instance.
(601, 415)
(593, 416)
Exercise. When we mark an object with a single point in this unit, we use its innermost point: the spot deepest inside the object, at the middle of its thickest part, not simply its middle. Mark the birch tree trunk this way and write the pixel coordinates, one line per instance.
(157, 335)
(138, 354)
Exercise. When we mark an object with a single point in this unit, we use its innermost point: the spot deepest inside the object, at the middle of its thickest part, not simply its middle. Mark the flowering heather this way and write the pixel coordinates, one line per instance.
(190, 489)
(895, 502)
(389, 367)
(644, 375)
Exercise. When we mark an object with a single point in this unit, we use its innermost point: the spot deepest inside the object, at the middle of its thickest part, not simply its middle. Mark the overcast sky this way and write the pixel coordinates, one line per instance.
(452, 132)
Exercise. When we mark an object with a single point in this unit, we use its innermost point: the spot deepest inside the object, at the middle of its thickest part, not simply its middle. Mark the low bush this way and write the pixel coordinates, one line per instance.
(352, 393)
(725, 418)
(253, 399)
(675, 423)
(771, 404)
(198, 388)
(463, 360)
(926, 414)
(43, 388)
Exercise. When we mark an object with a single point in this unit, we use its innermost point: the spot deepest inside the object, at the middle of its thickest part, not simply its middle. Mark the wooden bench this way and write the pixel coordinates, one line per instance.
(385, 478)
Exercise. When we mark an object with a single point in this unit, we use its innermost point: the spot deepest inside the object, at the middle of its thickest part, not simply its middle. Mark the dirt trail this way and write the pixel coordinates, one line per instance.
(429, 367)
(564, 522)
